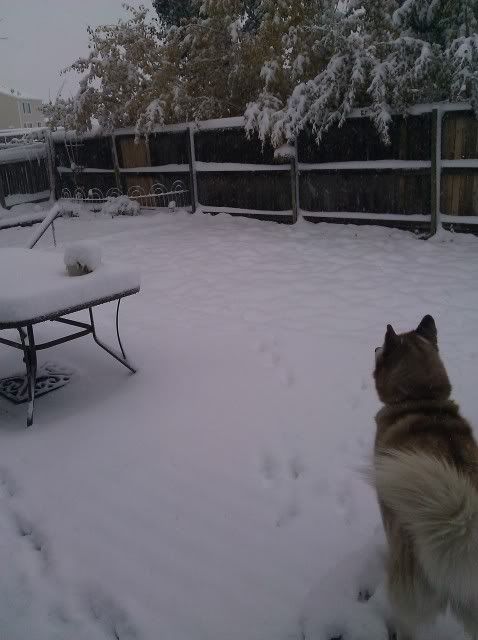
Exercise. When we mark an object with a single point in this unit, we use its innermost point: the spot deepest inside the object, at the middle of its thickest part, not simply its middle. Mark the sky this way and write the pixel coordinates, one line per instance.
(45, 36)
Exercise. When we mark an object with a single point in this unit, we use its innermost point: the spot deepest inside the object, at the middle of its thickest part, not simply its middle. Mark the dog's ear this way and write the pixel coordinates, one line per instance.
(427, 329)
(391, 339)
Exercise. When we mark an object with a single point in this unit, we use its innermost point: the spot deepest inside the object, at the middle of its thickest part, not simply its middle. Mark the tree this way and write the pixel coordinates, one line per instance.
(448, 29)
(211, 56)
(144, 73)
(116, 87)
(293, 42)
(171, 12)
(284, 64)
(382, 55)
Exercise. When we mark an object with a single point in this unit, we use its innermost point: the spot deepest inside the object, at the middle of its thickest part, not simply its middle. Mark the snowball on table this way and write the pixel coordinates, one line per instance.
(82, 257)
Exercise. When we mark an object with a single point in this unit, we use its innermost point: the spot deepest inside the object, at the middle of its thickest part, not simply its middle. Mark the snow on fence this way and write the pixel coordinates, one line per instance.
(430, 166)
(428, 174)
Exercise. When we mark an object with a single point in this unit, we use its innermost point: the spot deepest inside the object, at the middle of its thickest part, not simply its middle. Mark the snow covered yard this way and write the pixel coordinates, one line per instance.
(215, 494)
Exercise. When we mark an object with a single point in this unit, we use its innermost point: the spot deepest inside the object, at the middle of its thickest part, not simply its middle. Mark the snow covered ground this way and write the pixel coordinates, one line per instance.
(215, 495)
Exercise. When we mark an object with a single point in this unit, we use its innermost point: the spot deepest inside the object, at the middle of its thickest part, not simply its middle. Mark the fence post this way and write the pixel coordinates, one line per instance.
(193, 182)
(294, 175)
(50, 152)
(114, 153)
(2, 192)
(435, 222)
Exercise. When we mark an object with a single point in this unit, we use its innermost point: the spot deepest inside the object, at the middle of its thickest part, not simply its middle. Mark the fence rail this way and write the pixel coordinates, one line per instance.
(428, 172)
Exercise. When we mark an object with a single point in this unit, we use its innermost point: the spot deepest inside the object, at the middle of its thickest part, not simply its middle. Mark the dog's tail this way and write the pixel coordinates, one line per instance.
(438, 506)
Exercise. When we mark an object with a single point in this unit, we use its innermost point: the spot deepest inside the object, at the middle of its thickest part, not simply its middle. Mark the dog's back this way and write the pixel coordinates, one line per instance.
(426, 476)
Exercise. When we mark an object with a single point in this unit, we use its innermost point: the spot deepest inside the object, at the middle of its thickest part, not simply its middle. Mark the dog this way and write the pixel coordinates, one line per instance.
(425, 472)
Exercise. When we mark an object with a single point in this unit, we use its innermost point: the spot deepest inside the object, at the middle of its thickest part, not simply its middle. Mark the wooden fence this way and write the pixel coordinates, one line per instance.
(24, 174)
(428, 175)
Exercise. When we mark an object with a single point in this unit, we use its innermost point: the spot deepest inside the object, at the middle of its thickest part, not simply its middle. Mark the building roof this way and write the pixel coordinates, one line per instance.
(4, 91)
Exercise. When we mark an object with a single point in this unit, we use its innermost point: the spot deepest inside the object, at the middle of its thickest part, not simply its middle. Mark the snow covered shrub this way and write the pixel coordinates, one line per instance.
(70, 208)
(82, 258)
(121, 206)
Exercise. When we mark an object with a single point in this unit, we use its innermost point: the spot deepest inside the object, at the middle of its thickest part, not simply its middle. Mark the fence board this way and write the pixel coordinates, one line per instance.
(267, 191)
(357, 140)
(231, 145)
(374, 192)
(132, 154)
(460, 136)
(88, 152)
(460, 193)
(169, 148)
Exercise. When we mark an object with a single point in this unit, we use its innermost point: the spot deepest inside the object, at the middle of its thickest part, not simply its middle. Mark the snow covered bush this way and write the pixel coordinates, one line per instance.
(70, 208)
(82, 258)
(121, 206)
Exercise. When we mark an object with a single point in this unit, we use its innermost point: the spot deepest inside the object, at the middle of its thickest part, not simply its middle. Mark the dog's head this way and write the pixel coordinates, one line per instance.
(408, 366)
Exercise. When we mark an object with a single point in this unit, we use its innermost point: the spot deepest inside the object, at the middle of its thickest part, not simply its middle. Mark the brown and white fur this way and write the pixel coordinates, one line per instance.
(425, 473)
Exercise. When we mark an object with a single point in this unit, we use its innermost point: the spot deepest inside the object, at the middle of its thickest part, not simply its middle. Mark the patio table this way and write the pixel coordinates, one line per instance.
(35, 288)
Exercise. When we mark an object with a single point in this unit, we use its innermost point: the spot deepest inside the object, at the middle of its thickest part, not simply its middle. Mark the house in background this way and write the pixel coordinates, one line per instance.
(20, 112)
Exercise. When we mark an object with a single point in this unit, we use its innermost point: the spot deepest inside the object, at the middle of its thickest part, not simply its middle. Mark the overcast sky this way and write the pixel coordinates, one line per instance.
(44, 36)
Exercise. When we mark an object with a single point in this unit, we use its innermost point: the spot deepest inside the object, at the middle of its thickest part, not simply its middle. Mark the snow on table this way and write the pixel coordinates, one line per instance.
(216, 494)
(34, 285)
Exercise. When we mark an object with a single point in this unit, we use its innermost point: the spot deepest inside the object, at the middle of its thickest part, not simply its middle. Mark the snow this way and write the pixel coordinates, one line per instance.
(222, 167)
(285, 151)
(362, 165)
(460, 163)
(35, 284)
(215, 494)
(85, 256)
(24, 214)
(83, 170)
(458, 220)
(71, 207)
(243, 210)
(120, 206)
(164, 168)
(28, 599)
(357, 215)
(24, 198)
(22, 153)
(21, 132)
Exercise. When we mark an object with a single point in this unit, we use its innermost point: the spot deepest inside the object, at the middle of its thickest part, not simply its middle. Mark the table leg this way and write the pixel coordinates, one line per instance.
(122, 359)
(30, 359)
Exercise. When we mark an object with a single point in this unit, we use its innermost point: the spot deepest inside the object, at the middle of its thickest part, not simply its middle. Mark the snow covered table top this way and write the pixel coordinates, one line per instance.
(34, 286)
